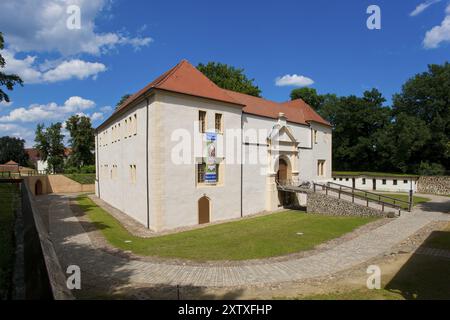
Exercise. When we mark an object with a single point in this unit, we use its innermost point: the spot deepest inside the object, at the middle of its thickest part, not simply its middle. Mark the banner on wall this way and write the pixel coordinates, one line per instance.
(211, 146)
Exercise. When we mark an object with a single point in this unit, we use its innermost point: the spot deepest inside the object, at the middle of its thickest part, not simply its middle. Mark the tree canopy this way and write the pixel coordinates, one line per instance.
(12, 148)
(81, 141)
(49, 142)
(229, 77)
(123, 99)
(411, 136)
(309, 95)
(6, 80)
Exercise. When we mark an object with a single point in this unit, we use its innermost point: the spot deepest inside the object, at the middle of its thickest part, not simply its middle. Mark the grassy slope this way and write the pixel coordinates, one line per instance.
(6, 238)
(259, 237)
(421, 277)
(83, 178)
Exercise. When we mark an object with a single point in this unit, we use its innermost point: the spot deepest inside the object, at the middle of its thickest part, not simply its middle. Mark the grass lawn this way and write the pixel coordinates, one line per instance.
(253, 238)
(372, 174)
(399, 196)
(421, 277)
(83, 178)
(8, 196)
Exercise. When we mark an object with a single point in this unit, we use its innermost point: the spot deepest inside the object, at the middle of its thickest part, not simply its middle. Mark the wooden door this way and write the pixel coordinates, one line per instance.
(203, 210)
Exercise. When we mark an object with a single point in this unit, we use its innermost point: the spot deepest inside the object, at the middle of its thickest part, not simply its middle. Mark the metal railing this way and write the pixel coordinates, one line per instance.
(368, 197)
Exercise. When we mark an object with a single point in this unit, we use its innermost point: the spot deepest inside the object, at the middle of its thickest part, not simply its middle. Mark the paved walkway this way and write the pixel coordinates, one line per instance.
(74, 246)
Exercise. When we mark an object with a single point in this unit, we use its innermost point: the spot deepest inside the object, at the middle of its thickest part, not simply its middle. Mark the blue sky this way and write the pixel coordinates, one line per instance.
(122, 45)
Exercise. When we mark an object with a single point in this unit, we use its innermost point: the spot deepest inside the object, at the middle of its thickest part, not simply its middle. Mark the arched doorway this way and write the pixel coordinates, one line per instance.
(283, 176)
(203, 210)
(38, 188)
(282, 173)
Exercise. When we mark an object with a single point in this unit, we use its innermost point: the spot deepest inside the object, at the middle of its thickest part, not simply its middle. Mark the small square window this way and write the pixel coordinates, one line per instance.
(405, 181)
(394, 182)
(346, 179)
(364, 181)
(384, 181)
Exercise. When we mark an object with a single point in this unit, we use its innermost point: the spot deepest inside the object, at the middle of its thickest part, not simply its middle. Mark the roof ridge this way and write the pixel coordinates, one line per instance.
(169, 73)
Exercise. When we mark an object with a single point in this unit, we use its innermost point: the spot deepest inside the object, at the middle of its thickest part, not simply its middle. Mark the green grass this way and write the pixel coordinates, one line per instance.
(372, 174)
(399, 196)
(8, 197)
(83, 178)
(253, 238)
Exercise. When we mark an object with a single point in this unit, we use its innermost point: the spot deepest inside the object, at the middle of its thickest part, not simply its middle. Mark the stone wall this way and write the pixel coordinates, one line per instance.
(57, 184)
(328, 205)
(434, 184)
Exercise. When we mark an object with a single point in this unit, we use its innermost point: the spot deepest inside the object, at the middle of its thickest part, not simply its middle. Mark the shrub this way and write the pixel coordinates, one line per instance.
(431, 169)
(87, 169)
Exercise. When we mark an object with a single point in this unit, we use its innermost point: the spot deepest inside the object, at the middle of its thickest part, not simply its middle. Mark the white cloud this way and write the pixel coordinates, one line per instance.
(438, 34)
(293, 80)
(41, 26)
(50, 71)
(422, 7)
(74, 69)
(50, 111)
(6, 104)
(13, 130)
(107, 109)
(96, 116)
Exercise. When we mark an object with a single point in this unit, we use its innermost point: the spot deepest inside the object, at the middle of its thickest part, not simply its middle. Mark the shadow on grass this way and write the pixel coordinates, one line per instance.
(423, 276)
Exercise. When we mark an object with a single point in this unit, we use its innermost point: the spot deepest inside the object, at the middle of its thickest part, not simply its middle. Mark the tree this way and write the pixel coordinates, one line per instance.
(230, 78)
(7, 80)
(49, 142)
(357, 123)
(309, 95)
(82, 141)
(12, 148)
(122, 100)
(426, 96)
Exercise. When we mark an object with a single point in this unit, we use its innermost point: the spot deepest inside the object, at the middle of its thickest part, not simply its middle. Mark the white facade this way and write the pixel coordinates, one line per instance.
(378, 183)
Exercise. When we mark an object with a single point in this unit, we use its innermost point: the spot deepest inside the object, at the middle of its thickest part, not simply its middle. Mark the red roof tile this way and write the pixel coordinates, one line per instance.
(186, 79)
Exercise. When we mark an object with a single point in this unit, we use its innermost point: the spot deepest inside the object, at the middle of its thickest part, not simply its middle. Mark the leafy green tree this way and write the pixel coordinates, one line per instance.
(81, 141)
(12, 148)
(7, 80)
(122, 100)
(49, 142)
(426, 96)
(230, 78)
(357, 122)
(309, 95)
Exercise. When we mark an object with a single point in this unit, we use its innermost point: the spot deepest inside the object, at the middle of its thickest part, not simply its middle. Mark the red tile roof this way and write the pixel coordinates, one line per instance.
(186, 79)
(33, 154)
(296, 111)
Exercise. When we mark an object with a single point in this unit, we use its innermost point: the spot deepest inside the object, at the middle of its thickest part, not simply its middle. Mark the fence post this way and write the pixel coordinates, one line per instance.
(410, 200)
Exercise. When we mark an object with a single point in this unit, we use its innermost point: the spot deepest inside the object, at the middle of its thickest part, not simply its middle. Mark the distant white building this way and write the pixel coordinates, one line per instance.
(238, 147)
(388, 183)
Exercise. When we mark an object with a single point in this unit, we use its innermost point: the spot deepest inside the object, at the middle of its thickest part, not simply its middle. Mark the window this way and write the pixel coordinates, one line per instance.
(334, 179)
(346, 179)
(202, 121)
(395, 182)
(315, 136)
(130, 125)
(218, 123)
(384, 181)
(133, 173)
(340, 179)
(405, 181)
(321, 168)
(363, 180)
(201, 172)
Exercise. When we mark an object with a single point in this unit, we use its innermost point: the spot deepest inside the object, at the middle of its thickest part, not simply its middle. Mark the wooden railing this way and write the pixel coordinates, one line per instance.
(366, 196)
